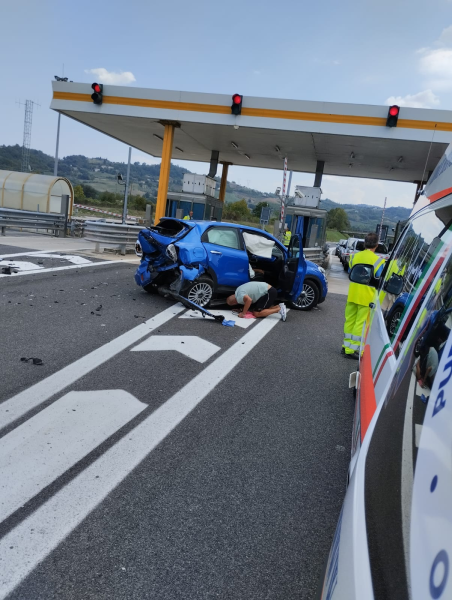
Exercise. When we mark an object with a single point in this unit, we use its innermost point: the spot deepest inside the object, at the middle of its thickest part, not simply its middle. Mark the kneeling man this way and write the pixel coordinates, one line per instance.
(259, 298)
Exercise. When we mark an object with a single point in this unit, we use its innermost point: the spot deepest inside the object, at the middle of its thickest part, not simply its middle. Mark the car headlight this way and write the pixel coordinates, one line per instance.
(138, 249)
(171, 252)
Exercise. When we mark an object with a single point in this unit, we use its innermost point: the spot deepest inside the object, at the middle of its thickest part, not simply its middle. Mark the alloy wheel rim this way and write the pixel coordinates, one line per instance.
(307, 296)
(200, 294)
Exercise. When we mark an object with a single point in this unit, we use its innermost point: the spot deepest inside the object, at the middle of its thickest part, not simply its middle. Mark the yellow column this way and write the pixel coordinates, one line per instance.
(165, 165)
(224, 180)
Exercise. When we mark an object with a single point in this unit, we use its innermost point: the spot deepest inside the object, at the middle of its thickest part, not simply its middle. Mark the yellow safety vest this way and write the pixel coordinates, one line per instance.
(357, 292)
(186, 218)
(287, 237)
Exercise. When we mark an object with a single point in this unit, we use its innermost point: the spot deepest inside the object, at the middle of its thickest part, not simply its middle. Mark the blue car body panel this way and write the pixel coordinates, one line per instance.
(228, 267)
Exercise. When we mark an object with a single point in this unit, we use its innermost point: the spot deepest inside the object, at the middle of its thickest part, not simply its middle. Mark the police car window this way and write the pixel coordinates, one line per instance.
(222, 236)
(408, 450)
(409, 271)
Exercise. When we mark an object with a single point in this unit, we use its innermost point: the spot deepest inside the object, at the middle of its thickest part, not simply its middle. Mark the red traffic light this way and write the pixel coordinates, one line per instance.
(393, 116)
(236, 106)
(97, 96)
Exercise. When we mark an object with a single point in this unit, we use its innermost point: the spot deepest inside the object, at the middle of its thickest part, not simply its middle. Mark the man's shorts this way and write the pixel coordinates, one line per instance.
(266, 301)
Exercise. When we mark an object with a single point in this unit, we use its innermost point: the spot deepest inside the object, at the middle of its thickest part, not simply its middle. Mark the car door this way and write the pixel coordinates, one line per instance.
(295, 269)
(226, 256)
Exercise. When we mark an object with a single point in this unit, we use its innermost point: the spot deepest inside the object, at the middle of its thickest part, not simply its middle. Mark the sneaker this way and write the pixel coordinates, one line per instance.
(283, 311)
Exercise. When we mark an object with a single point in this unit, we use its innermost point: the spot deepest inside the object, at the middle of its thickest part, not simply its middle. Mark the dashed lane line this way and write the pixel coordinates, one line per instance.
(66, 268)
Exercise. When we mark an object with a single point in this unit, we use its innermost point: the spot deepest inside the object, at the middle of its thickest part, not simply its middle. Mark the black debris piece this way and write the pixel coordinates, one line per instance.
(35, 361)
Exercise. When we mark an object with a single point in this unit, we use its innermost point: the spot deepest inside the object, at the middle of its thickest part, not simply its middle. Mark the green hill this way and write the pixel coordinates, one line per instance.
(100, 173)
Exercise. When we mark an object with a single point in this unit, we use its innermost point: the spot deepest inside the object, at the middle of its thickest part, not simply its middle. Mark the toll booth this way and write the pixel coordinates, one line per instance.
(204, 207)
(197, 195)
(309, 222)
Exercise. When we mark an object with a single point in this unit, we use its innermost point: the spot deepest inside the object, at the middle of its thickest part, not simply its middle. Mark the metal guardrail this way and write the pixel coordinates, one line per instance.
(26, 219)
(107, 235)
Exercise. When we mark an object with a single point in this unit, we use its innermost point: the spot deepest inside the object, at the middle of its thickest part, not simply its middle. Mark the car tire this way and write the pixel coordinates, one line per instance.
(308, 298)
(345, 266)
(394, 321)
(201, 291)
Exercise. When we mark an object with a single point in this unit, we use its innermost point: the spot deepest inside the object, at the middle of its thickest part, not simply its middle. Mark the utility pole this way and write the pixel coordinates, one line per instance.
(55, 167)
(382, 217)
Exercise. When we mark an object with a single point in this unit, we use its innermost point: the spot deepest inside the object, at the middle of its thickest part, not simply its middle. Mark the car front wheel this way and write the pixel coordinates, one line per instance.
(308, 298)
(200, 291)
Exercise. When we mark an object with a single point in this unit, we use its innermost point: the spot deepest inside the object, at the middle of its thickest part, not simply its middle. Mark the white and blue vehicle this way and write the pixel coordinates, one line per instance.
(394, 536)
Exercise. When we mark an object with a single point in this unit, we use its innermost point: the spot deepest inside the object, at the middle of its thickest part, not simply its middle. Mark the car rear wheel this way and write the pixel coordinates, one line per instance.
(394, 321)
(200, 291)
(308, 298)
(345, 266)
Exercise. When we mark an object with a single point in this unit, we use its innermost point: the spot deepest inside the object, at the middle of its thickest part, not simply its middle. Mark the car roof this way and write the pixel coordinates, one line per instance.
(203, 225)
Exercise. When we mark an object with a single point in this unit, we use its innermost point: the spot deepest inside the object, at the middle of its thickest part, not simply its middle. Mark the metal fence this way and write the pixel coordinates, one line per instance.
(25, 219)
(316, 255)
(111, 235)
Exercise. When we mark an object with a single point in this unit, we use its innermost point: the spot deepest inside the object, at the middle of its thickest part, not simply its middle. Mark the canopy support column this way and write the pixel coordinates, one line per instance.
(319, 173)
(213, 163)
(224, 181)
(165, 165)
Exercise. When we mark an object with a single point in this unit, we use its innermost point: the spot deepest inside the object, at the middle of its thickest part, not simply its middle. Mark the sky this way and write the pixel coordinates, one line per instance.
(358, 51)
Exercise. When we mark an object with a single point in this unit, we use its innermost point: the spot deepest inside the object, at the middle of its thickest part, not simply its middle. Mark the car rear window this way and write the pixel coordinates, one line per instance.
(381, 248)
(169, 228)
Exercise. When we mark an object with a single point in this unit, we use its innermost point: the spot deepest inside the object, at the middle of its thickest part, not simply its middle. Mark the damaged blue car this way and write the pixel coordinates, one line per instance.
(206, 261)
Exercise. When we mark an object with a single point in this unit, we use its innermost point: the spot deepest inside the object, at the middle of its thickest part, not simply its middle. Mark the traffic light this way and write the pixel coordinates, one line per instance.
(393, 116)
(236, 106)
(97, 95)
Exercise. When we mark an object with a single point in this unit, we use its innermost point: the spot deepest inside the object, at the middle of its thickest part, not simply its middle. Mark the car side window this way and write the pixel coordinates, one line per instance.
(222, 236)
(409, 271)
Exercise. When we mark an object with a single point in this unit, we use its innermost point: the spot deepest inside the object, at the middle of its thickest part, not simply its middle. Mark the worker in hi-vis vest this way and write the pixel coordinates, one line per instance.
(359, 297)
(287, 236)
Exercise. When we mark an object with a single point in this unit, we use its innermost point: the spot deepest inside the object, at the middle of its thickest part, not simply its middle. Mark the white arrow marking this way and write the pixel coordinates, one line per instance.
(36, 453)
(25, 546)
(18, 405)
(190, 345)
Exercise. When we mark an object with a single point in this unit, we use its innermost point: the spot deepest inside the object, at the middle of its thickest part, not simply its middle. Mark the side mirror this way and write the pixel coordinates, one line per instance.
(362, 274)
(394, 285)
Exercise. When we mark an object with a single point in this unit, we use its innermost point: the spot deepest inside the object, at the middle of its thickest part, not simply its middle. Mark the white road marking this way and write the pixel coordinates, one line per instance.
(25, 546)
(44, 447)
(52, 269)
(417, 434)
(21, 265)
(190, 345)
(18, 405)
(195, 314)
(72, 258)
(14, 255)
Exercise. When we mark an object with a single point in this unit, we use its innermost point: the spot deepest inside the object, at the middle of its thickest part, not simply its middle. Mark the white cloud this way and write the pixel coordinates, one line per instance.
(111, 77)
(425, 99)
(445, 39)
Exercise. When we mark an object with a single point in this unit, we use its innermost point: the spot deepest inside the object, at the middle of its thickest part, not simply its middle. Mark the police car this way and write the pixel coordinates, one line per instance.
(394, 535)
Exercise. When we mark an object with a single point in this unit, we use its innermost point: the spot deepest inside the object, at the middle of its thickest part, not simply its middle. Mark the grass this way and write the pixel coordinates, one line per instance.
(332, 235)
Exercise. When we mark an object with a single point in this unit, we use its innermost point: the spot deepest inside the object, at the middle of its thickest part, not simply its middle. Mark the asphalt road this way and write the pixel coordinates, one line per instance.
(188, 479)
